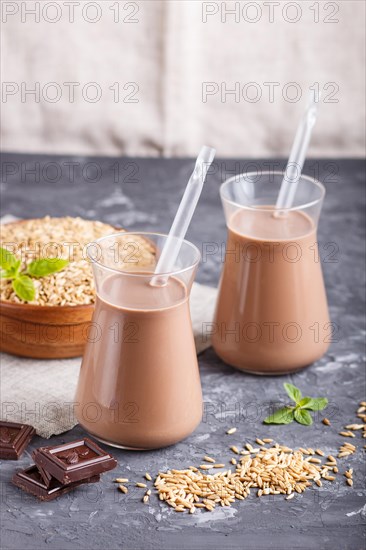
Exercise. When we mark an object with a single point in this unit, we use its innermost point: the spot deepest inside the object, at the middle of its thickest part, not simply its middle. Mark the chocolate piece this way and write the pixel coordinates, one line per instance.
(46, 477)
(31, 481)
(74, 461)
(14, 438)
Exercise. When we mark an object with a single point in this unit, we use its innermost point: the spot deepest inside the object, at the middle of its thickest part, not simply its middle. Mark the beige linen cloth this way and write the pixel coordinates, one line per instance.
(187, 72)
(41, 391)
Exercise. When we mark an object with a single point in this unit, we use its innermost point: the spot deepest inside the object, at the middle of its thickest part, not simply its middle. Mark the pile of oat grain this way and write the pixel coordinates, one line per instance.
(271, 471)
(266, 470)
(65, 238)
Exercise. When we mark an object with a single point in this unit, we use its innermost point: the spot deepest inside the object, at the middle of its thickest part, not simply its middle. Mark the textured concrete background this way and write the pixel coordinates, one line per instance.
(331, 517)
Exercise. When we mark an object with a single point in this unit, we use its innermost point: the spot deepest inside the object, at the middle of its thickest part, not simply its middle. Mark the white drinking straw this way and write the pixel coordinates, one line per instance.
(184, 215)
(298, 153)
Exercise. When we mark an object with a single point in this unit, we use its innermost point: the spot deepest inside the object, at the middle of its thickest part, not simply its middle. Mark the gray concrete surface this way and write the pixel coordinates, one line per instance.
(99, 517)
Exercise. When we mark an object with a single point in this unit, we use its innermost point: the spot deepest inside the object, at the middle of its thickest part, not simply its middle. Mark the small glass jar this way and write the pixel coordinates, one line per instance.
(272, 314)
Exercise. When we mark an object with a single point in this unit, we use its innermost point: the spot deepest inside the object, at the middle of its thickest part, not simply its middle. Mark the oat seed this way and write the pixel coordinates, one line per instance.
(209, 459)
(355, 426)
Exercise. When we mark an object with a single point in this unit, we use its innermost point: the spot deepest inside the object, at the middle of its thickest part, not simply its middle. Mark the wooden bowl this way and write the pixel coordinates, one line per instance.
(44, 332)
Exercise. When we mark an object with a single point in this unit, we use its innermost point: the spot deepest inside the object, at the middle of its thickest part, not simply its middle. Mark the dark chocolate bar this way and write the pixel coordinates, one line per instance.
(31, 481)
(14, 438)
(74, 461)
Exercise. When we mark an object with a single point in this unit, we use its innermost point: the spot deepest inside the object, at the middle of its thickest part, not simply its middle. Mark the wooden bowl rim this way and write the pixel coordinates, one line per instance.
(37, 307)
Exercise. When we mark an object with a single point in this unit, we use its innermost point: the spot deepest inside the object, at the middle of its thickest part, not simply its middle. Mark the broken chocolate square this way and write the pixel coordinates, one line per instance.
(14, 438)
(31, 481)
(74, 461)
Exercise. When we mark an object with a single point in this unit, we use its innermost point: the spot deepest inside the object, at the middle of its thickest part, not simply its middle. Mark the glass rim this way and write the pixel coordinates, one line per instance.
(192, 246)
(314, 181)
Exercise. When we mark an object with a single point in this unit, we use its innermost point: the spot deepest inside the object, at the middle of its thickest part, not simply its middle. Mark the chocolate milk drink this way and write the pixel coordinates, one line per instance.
(139, 383)
(272, 314)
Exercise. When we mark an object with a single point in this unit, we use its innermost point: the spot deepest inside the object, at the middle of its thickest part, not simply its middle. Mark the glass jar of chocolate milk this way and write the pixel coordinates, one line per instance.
(272, 314)
(139, 384)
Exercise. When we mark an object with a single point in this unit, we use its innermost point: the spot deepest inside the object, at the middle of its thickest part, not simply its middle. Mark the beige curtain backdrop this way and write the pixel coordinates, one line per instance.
(154, 77)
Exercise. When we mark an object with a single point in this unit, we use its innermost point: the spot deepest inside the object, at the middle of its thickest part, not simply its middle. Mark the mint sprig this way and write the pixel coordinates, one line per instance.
(22, 282)
(300, 412)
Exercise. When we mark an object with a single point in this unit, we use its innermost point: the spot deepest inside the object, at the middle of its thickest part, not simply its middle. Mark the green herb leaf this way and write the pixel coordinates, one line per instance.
(7, 259)
(293, 392)
(41, 268)
(304, 401)
(24, 288)
(282, 416)
(12, 272)
(303, 417)
(314, 403)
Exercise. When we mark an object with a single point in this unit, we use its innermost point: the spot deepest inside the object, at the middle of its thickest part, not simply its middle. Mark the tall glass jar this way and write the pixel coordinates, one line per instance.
(139, 384)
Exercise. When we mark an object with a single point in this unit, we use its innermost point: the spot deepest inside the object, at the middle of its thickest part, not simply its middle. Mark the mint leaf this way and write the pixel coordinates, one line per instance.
(282, 416)
(303, 417)
(314, 403)
(41, 268)
(12, 272)
(304, 401)
(293, 392)
(7, 259)
(24, 288)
